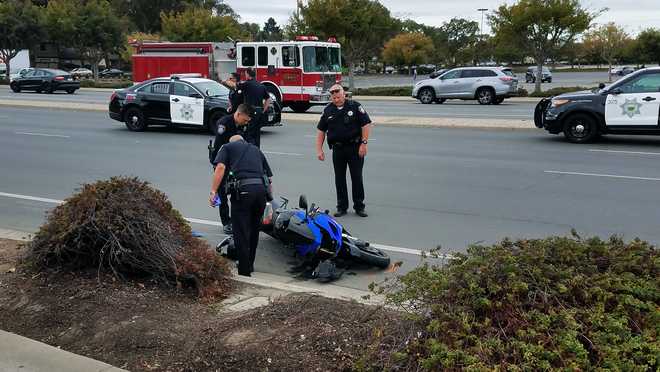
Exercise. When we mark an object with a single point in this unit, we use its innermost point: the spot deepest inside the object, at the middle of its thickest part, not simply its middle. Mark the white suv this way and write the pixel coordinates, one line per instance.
(488, 85)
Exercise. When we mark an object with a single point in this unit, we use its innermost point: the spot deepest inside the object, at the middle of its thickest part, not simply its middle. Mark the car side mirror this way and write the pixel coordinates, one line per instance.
(302, 202)
(601, 85)
(195, 95)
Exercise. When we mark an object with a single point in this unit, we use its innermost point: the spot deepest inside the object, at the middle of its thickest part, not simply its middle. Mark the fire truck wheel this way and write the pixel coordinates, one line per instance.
(274, 92)
(300, 107)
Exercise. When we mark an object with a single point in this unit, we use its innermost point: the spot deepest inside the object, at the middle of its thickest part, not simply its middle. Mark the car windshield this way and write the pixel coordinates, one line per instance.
(321, 59)
(212, 88)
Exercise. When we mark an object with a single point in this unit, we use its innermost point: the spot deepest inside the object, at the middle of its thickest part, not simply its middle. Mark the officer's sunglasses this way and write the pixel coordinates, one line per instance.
(335, 91)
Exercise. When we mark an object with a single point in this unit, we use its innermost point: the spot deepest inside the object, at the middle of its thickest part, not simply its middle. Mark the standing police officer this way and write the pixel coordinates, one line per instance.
(346, 124)
(251, 173)
(235, 95)
(256, 95)
(228, 126)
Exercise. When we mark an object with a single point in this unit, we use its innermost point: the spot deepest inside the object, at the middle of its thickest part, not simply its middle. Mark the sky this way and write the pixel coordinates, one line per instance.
(634, 16)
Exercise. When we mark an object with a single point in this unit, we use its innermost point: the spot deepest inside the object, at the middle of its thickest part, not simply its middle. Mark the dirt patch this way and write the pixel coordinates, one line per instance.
(143, 327)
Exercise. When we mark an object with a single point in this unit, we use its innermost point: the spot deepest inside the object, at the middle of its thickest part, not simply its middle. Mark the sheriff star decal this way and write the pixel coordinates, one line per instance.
(186, 111)
(630, 108)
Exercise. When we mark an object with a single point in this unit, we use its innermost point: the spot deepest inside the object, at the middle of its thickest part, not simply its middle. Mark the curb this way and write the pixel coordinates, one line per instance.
(394, 121)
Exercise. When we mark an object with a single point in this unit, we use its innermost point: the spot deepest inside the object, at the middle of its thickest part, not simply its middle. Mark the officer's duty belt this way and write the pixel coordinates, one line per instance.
(250, 181)
(349, 143)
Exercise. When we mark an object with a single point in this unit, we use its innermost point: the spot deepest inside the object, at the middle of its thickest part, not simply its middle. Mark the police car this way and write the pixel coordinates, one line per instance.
(181, 100)
(629, 106)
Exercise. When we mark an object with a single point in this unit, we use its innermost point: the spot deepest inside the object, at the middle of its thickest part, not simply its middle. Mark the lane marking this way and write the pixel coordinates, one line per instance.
(218, 224)
(603, 175)
(283, 153)
(43, 134)
(625, 152)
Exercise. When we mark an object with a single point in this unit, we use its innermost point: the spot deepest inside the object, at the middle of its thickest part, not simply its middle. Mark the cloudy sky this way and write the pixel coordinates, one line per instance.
(633, 15)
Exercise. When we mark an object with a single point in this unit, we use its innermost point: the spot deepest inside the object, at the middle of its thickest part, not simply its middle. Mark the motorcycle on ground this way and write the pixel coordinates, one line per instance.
(316, 237)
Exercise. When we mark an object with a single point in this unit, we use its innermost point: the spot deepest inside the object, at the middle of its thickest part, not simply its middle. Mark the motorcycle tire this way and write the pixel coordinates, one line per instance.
(373, 256)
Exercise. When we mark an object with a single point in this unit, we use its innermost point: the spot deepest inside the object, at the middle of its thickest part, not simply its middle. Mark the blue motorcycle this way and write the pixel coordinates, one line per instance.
(316, 237)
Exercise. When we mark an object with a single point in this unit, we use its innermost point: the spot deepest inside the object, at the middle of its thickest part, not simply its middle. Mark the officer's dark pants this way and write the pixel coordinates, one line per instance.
(254, 127)
(224, 204)
(342, 157)
(246, 213)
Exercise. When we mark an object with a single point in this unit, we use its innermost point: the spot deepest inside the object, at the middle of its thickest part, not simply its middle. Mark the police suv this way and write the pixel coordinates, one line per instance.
(629, 106)
(181, 100)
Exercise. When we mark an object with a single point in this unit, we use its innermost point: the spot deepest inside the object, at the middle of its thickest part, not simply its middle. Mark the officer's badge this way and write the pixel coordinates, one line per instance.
(361, 109)
(350, 113)
(221, 129)
(631, 108)
(186, 112)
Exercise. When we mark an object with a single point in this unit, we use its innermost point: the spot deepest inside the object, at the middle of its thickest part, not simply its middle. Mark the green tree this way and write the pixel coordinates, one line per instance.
(198, 24)
(250, 31)
(408, 49)
(271, 31)
(20, 28)
(100, 32)
(540, 27)
(608, 40)
(360, 26)
(648, 44)
(126, 51)
(462, 37)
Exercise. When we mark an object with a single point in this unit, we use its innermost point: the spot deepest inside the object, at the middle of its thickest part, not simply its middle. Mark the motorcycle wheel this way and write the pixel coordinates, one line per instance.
(373, 256)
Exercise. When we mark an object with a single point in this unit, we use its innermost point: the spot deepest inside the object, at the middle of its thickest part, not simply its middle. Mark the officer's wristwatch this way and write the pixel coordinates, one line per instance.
(364, 142)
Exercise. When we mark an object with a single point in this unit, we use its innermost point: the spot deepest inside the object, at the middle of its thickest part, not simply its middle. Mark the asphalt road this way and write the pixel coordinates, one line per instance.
(451, 108)
(425, 187)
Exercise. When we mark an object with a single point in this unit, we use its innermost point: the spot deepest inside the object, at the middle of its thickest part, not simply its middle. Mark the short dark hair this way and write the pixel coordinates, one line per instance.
(236, 76)
(252, 73)
(244, 108)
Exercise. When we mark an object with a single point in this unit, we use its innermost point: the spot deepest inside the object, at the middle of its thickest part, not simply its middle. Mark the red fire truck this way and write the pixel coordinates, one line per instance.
(299, 73)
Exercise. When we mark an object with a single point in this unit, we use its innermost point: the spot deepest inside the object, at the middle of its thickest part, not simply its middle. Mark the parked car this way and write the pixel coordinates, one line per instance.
(20, 73)
(45, 80)
(180, 100)
(487, 85)
(622, 71)
(111, 73)
(530, 74)
(81, 72)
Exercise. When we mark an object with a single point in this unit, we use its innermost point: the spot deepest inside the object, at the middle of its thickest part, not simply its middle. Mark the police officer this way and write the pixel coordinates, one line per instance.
(228, 126)
(235, 95)
(346, 125)
(256, 95)
(248, 166)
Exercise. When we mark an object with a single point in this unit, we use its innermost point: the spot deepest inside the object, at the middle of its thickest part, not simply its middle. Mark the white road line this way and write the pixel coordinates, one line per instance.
(283, 153)
(603, 175)
(43, 134)
(218, 224)
(625, 152)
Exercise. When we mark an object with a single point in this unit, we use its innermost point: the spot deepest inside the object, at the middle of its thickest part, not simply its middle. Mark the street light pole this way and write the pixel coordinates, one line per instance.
(481, 32)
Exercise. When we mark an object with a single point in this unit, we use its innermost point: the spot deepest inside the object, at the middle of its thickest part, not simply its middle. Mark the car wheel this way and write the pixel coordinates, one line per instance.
(580, 128)
(70, 91)
(549, 80)
(212, 125)
(300, 107)
(498, 100)
(134, 120)
(47, 88)
(440, 100)
(426, 96)
(14, 87)
(485, 96)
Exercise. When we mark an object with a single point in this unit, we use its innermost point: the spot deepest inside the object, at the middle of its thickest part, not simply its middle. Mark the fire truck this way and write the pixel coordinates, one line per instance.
(298, 73)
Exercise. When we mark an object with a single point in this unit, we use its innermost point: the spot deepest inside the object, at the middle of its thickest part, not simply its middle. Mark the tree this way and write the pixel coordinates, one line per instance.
(408, 49)
(20, 28)
(126, 52)
(361, 26)
(609, 41)
(271, 31)
(250, 31)
(540, 27)
(462, 37)
(648, 44)
(440, 54)
(198, 24)
(100, 32)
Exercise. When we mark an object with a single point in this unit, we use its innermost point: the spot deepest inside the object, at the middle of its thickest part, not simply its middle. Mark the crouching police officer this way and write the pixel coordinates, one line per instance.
(249, 188)
(228, 126)
(346, 124)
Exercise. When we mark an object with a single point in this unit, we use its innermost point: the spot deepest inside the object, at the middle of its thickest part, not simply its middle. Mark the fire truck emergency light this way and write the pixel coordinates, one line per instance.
(306, 38)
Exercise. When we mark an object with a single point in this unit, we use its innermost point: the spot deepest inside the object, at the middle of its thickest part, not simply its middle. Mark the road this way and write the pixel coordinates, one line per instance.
(452, 108)
(425, 186)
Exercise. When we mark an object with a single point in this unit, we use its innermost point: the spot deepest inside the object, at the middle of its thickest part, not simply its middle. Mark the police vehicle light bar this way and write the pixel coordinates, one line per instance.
(190, 75)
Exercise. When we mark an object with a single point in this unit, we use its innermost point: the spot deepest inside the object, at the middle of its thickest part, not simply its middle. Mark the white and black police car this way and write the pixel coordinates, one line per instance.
(180, 100)
(631, 105)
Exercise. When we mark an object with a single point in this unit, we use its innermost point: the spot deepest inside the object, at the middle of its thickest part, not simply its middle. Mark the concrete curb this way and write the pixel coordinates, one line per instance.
(396, 121)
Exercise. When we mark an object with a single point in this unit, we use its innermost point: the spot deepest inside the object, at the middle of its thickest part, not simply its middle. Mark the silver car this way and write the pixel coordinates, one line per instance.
(488, 85)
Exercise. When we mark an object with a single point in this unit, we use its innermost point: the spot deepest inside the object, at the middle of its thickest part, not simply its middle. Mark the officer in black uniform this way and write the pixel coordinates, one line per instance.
(347, 125)
(256, 95)
(235, 95)
(251, 172)
(228, 126)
